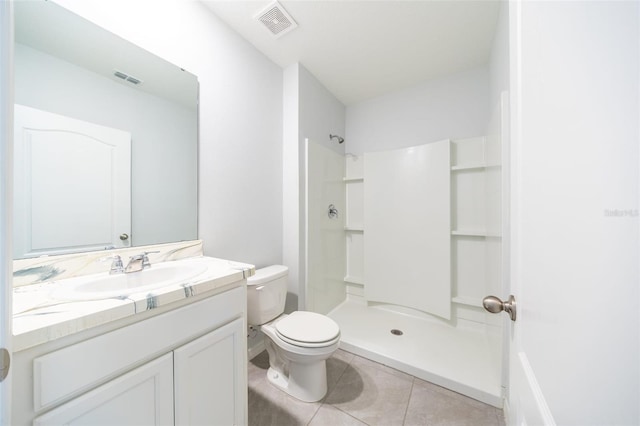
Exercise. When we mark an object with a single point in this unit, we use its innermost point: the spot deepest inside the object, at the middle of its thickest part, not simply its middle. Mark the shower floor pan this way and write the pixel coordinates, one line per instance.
(460, 359)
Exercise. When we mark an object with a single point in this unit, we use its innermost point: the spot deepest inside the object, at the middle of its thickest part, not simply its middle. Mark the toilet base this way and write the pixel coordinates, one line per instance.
(311, 386)
(305, 381)
(300, 371)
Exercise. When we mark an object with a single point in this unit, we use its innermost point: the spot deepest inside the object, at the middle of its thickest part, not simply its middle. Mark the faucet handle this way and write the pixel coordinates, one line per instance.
(145, 258)
(116, 266)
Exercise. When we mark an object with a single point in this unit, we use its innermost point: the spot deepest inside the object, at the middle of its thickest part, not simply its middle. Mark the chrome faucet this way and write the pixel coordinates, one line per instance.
(116, 264)
(138, 262)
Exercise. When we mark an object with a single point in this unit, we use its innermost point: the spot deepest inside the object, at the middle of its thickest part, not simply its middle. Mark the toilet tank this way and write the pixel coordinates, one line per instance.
(266, 294)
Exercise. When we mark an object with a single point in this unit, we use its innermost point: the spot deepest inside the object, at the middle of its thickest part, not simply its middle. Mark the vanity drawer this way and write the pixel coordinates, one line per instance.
(76, 369)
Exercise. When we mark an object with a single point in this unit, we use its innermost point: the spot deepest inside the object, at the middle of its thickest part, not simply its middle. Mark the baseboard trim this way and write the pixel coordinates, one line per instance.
(253, 351)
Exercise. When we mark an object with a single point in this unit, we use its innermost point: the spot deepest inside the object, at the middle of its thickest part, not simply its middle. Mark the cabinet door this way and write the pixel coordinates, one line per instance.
(210, 378)
(143, 396)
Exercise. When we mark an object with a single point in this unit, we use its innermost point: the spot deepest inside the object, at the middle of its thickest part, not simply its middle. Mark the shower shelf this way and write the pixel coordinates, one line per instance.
(353, 179)
(475, 233)
(468, 167)
(474, 166)
(353, 280)
(354, 229)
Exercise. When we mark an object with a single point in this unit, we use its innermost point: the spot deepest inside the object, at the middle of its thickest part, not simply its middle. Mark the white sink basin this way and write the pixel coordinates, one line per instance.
(103, 286)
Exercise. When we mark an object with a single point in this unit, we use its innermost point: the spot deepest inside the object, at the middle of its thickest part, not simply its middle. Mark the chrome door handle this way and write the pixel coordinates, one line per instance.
(5, 363)
(494, 305)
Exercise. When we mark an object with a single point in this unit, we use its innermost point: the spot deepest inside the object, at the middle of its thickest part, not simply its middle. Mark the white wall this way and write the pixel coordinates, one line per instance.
(576, 140)
(320, 112)
(455, 106)
(292, 219)
(319, 115)
(499, 60)
(240, 171)
(310, 111)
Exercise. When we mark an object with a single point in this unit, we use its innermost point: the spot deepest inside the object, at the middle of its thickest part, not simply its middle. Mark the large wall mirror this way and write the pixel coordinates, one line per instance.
(106, 139)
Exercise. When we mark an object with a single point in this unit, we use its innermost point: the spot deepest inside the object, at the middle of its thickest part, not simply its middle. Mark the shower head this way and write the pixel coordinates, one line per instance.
(340, 138)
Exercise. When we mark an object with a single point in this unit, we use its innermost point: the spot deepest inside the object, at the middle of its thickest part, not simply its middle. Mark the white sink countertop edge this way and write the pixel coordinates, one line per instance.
(39, 317)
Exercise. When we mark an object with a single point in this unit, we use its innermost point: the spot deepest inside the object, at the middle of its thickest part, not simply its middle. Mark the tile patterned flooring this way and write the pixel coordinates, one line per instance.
(363, 392)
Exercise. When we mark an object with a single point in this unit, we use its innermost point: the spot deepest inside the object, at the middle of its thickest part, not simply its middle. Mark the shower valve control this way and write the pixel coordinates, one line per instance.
(494, 305)
(332, 212)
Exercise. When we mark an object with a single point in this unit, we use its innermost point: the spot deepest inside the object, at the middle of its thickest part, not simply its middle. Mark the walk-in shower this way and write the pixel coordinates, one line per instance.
(405, 268)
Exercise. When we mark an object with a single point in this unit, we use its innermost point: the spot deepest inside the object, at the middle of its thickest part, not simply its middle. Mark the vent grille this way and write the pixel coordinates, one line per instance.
(126, 77)
(276, 20)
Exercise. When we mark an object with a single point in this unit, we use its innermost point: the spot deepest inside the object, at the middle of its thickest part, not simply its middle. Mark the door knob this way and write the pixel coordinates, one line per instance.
(5, 362)
(124, 237)
(494, 305)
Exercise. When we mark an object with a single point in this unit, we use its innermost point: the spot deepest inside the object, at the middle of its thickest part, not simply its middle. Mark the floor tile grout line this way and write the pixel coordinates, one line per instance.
(323, 403)
(354, 362)
(314, 414)
(377, 366)
(337, 380)
(350, 415)
(406, 409)
(349, 364)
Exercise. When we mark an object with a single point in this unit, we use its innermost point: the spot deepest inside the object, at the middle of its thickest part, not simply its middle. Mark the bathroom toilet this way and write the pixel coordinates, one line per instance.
(298, 343)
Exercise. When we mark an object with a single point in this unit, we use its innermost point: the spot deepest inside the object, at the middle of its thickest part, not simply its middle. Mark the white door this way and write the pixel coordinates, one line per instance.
(143, 396)
(574, 202)
(210, 378)
(6, 160)
(72, 188)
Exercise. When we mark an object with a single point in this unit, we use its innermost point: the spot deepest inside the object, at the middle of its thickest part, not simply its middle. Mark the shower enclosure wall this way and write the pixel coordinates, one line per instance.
(415, 247)
(325, 249)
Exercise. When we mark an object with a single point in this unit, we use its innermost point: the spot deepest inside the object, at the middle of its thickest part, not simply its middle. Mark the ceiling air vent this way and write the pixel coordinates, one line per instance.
(126, 77)
(276, 19)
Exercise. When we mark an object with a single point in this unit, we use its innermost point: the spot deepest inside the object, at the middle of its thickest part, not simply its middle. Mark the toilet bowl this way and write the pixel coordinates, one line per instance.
(298, 343)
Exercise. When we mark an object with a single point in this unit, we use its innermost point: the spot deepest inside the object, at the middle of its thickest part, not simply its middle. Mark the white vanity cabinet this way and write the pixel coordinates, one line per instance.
(185, 366)
(143, 396)
(209, 378)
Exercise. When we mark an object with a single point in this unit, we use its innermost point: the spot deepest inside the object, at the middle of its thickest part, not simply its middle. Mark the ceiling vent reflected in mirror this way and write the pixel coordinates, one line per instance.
(126, 77)
(276, 20)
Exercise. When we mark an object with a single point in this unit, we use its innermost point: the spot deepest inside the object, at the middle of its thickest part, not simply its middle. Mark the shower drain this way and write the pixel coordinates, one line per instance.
(396, 332)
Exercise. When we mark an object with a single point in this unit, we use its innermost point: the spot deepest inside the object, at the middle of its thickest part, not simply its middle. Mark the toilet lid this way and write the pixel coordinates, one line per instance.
(307, 327)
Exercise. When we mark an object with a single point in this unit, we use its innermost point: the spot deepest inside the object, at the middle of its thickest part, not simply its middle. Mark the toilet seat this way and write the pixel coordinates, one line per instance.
(307, 329)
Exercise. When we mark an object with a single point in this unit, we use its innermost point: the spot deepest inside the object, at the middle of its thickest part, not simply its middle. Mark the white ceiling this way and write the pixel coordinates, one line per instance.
(363, 49)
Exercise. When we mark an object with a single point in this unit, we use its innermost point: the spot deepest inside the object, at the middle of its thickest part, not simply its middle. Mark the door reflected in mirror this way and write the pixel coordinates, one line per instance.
(75, 184)
(70, 67)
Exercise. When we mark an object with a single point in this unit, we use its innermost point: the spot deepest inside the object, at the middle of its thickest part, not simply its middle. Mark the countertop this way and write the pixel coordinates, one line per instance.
(41, 312)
